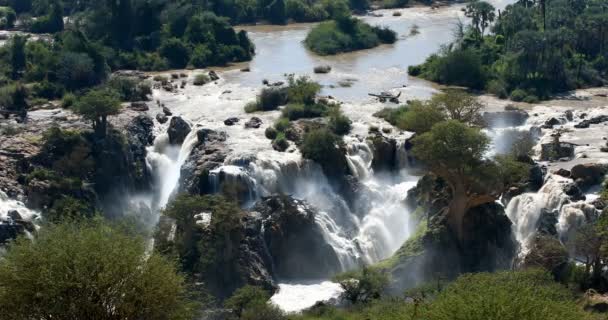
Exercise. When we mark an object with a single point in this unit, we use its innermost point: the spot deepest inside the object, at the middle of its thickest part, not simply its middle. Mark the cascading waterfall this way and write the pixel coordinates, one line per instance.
(7, 205)
(165, 161)
(525, 211)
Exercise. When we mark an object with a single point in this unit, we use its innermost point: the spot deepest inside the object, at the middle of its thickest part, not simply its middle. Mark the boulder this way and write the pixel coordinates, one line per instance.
(10, 231)
(167, 111)
(14, 215)
(547, 223)
(178, 130)
(213, 76)
(140, 135)
(231, 121)
(549, 124)
(507, 118)
(599, 203)
(588, 174)
(208, 154)
(569, 115)
(322, 69)
(574, 192)
(562, 172)
(253, 123)
(384, 150)
(552, 151)
(595, 120)
(294, 240)
(139, 106)
(161, 118)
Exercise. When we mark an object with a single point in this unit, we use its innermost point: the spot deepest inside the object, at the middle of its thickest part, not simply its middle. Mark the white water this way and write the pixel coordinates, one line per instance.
(7, 204)
(296, 297)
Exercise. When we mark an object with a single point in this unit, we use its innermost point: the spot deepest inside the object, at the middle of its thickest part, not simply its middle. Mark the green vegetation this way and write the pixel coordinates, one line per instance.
(364, 286)
(96, 106)
(206, 253)
(512, 295)
(534, 50)
(346, 34)
(89, 270)
(251, 303)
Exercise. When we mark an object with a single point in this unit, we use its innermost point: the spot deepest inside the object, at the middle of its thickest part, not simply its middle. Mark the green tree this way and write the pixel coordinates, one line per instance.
(364, 286)
(459, 105)
(18, 58)
(455, 152)
(482, 15)
(21, 6)
(420, 117)
(251, 303)
(176, 52)
(96, 106)
(89, 271)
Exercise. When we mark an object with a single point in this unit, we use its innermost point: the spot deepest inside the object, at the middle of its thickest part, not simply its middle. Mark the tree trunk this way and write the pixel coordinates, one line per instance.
(457, 211)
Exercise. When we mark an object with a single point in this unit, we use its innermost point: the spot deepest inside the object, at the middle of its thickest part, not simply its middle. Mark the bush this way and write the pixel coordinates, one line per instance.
(271, 133)
(339, 123)
(323, 147)
(282, 124)
(518, 95)
(7, 18)
(497, 88)
(391, 115)
(295, 111)
(528, 295)
(365, 286)
(271, 98)
(201, 79)
(130, 89)
(251, 107)
(39, 281)
(280, 143)
(385, 35)
(531, 99)
(302, 89)
(176, 52)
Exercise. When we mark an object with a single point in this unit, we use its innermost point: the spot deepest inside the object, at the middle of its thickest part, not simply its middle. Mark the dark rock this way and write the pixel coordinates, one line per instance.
(550, 123)
(167, 111)
(140, 135)
(139, 106)
(253, 123)
(554, 151)
(574, 192)
(10, 231)
(595, 120)
(208, 154)
(569, 115)
(213, 76)
(178, 130)
(536, 177)
(547, 222)
(322, 69)
(161, 118)
(280, 145)
(14, 215)
(512, 118)
(231, 121)
(562, 172)
(384, 150)
(589, 174)
(599, 203)
(247, 69)
(294, 240)
(583, 124)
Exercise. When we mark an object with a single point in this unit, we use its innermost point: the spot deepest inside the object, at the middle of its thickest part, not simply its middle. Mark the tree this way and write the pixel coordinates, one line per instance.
(455, 152)
(251, 303)
(365, 286)
(481, 14)
(176, 51)
(276, 12)
(89, 270)
(96, 106)
(122, 23)
(420, 117)
(18, 59)
(21, 6)
(459, 105)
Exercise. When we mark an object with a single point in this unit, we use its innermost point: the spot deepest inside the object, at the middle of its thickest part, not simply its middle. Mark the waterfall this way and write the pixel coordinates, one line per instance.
(7, 205)
(165, 161)
(525, 210)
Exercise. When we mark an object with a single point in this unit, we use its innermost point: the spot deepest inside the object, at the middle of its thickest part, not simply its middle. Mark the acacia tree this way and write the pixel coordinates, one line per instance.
(96, 106)
(454, 152)
(89, 270)
(481, 14)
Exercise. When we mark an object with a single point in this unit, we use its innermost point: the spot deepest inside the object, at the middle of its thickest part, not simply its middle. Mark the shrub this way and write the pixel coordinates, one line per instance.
(385, 35)
(201, 79)
(280, 143)
(527, 295)
(271, 133)
(531, 99)
(518, 95)
(295, 111)
(323, 147)
(282, 124)
(365, 286)
(272, 98)
(420, 118)
(7, 18)
(339, 123)
(302, 89)
(39, 281)
(130, 89)
(497, 88)
(391, 115)
(251, 107)
(176, 52)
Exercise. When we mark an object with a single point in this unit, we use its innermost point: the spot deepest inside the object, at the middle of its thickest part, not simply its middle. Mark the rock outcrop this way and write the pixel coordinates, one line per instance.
(507, 118)
(178, 130)
(208, 154)
(588, 174)
(294, 240)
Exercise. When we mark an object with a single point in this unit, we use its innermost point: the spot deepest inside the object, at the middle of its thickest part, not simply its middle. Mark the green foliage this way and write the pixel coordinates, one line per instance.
(176, 52)
(69, 209)
(96, 106)
(363, 287)
(391, 115)
(67, 153)
(325, 148)
(130, 89)
(14, 98)
(527, 295)
(339, 124)
(17, 55)
(302, 89)
(206, 252)
(201, 79)
(250, 302)
(420, 117)
(295, 111)
(51, 23)
(7, 18)
(56, 275)
(346, 34)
